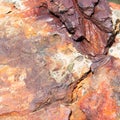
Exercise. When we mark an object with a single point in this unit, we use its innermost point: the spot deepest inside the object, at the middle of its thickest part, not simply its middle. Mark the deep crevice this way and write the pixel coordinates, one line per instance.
(78, 82)
(80, 39)
(111, 39)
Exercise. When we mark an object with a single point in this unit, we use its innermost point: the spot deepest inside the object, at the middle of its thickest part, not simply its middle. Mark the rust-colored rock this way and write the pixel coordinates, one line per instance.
(101, 101)
(43, 48)
(39, 66)
(88, 22)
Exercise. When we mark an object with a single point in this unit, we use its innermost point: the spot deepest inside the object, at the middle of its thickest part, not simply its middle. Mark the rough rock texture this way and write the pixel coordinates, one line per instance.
(99, 96)
(115, 49)
(39, 65)
(102, 99)
(83, 19)
(88, 22)
(45, 73)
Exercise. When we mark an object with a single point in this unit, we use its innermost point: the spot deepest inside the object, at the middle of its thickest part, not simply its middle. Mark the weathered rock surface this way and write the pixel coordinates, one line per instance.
(99, 96)
(102, 98)
(115, 49)
(41, 66)
(81, 18)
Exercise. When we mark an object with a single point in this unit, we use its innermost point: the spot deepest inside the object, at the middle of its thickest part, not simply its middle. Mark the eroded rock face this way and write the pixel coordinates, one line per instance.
(82, 19)
(101, 100)
(42, 65)
(88, 22)
(39, 64)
